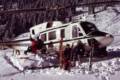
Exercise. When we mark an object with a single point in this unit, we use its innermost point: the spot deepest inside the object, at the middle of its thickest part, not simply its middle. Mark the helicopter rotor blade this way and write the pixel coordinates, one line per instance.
(56, 7)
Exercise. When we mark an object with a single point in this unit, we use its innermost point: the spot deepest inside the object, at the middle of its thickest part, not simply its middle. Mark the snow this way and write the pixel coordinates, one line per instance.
(23, 36)
(103, 69)
(108, 21)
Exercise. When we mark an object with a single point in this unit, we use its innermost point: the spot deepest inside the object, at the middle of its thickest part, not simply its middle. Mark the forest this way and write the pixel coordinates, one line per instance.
(14, 23)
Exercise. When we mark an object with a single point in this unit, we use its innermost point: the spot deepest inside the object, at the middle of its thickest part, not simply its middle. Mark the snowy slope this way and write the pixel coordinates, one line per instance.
(108, 21)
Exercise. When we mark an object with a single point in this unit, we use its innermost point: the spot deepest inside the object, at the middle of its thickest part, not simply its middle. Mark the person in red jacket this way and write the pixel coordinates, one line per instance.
(34, 46)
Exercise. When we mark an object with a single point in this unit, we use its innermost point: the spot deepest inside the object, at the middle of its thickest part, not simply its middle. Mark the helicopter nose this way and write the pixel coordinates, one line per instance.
(107, 40)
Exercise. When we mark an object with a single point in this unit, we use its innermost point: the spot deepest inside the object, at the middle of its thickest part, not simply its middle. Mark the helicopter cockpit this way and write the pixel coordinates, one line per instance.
(88, 27)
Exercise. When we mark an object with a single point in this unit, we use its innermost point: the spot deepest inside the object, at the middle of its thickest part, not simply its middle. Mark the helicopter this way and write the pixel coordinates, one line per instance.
(70, 32)
(53, 32)
(83, 30)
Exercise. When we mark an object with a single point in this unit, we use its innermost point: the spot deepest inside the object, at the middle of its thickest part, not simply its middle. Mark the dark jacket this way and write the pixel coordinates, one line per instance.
(67, 53)
(79, 49)
(39, 44)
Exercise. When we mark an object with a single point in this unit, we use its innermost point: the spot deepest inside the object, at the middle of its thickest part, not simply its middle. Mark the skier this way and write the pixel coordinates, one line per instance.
(44, 49)
(36, 45)
(78, 51)
(39, 43)
(67, 54)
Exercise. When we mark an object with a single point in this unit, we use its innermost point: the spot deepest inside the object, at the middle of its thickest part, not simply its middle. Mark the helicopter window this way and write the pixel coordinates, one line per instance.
(43, 37)
(62, 33)
(97, 33)
(74, 31)
(52, 35)
(49, 24)
(88, 27)
(33, 32)
(79, 32)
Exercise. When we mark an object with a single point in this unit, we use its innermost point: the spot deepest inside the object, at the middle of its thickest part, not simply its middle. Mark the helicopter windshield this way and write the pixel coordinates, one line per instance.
(88, 27)
(97, 33)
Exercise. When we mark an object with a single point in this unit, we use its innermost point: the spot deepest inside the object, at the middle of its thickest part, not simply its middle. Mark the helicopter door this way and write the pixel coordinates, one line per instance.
(43, 37)
(76, 32)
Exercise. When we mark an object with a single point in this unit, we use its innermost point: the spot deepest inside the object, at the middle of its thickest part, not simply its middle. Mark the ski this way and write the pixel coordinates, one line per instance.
(10, 63)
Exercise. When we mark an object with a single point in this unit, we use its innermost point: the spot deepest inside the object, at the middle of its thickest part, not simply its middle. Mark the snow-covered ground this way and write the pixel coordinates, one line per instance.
(102, 69)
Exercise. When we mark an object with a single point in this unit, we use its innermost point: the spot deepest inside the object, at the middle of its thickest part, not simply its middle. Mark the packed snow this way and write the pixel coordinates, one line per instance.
(102, 69)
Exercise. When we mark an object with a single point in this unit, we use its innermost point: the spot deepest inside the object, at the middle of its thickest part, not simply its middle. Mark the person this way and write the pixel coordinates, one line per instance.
(87, 50)
(33, 46)
(39, 43)
(44, 49)
(78, 51)
(67, 54)
(98, 51)
(36, 44)
(72, 55)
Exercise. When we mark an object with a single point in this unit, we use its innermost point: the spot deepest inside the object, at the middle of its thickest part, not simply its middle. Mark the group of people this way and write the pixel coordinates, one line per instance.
(73, 54)
(70, 53)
